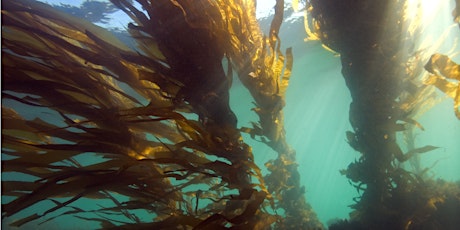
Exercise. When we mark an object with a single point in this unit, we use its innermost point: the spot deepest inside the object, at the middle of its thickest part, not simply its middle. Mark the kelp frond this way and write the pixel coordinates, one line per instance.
(387, 96)
(445, 75)
(265, 71)
(111, 123)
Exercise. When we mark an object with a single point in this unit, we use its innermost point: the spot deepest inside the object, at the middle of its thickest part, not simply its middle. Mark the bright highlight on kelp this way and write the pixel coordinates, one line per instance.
(128, 110)
(445, 76)
(115, 126)
(384, 72)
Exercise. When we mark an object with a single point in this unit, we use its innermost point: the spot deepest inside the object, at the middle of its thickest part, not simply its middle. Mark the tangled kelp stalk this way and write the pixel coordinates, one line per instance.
(265, 71)
(262, 68)
(113, 124)
(370, 37)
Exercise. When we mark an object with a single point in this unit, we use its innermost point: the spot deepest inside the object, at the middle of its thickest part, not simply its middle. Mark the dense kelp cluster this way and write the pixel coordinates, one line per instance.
(147, 132)
(148, 135)
(387, 95)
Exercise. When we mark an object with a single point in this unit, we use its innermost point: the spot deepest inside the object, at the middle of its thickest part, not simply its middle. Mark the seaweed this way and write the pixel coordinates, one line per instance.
(265, 71)
(386, 98)
(445, 75)
(147, 133)
(115, 124)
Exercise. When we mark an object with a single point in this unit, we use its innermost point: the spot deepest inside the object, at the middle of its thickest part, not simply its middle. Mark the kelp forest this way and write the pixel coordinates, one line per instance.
(146, 133)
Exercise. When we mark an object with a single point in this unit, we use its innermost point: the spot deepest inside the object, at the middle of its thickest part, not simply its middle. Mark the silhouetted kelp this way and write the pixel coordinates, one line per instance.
(115, 125)
(128, 112)
(370, 37)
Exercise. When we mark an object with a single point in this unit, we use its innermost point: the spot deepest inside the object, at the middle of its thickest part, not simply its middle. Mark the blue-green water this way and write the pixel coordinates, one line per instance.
(316, 119)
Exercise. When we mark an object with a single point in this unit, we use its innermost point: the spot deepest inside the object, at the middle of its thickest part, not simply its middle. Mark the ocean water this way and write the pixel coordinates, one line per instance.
(316, 119)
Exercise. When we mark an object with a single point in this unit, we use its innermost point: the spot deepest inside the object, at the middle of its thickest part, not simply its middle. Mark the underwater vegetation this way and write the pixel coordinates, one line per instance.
(386, 96)
(130, 111)
(148, 135)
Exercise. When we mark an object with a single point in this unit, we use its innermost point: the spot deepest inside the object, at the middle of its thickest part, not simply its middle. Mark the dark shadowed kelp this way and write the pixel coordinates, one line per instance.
(386, 97)
(147, 136)
(129, 111)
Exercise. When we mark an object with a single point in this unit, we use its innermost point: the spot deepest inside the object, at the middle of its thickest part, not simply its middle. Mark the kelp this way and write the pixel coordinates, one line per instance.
(445, 75)
(113, 124)
(262, 68)
(109, 102)
(116, 125)
(265, 71)
(386, 98)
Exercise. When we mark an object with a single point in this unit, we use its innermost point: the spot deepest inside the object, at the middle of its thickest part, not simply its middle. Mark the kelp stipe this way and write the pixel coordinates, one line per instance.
(265, 71)
(386, 97)
(128, 111)
(131, 111)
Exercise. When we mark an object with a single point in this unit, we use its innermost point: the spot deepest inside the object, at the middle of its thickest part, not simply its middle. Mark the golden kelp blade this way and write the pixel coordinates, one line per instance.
(284, 83)
(119, 109)
(442, 65)
(446, 77)
(265, 71)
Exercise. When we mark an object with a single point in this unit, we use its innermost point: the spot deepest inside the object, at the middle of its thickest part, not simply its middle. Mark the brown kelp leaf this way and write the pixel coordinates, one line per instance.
(16, 35)
(147, 44)
(442, 65)
(413, 122)
(276, 22)
(170, 222)
(11, 187)
(38, 162)
(105, 223)
(81, 78)
(215, 221)
(57, 38)
(423, 149)
(444, 70)
(287, 72)
(251, 208)
(67, 21)
(22, 131)
(244, 220)
(50, 189)
(122, 210)
(447, 87)
(74, 210)
(14, 125)
(25, 220)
